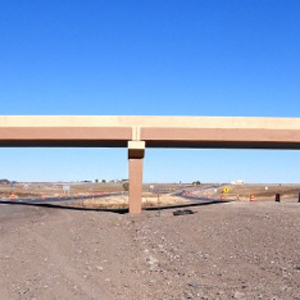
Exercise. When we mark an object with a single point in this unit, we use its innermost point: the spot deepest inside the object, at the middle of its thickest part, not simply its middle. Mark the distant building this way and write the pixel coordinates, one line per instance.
(238, 182)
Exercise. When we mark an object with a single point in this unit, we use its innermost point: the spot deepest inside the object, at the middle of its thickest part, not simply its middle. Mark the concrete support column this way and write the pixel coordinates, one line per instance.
(136, 152)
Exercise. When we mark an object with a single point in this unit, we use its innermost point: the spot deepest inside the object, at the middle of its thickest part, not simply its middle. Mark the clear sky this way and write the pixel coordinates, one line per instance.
(158, 57)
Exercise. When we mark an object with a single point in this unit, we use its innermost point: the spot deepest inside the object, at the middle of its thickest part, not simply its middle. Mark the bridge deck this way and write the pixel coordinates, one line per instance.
(139, 132)
(176, 132)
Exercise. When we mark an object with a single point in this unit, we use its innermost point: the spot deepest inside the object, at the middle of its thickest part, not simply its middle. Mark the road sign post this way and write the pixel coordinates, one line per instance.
(66, 189)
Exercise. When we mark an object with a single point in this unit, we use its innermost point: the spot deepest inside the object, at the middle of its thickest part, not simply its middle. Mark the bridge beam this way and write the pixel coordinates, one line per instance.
(136, 153)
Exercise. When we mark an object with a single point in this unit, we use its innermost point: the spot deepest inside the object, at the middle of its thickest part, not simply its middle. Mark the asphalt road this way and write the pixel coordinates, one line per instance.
(194, 200)
(41, 200)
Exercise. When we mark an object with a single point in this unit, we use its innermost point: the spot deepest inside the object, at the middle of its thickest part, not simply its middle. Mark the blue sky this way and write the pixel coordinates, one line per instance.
(188, 57)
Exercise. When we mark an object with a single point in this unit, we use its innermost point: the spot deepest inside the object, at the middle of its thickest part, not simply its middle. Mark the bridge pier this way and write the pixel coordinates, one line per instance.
(136, 153)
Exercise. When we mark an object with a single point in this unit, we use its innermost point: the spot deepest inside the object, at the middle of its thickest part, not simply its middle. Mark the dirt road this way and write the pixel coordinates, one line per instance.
(225, 251)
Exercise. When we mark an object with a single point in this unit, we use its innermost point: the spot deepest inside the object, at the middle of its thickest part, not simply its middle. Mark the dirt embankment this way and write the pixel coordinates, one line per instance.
(224, 251)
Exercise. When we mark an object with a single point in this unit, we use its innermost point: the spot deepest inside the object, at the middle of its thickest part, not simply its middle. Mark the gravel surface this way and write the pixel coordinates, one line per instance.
(224, 251)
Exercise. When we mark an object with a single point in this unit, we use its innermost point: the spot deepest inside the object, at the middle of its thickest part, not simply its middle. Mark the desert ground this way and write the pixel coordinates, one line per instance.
(113, 196)
(229, 250)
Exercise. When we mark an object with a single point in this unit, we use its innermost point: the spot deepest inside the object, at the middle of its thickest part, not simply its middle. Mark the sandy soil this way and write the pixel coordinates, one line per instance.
(226, 251)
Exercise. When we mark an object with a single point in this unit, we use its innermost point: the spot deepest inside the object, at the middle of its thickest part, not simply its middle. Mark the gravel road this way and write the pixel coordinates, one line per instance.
(224, 251)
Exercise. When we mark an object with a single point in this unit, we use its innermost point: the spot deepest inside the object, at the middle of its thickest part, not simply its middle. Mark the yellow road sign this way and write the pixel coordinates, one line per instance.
(226, 189)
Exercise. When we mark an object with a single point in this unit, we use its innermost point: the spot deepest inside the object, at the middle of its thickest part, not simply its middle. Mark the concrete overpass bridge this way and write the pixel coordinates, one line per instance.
(138, 132)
